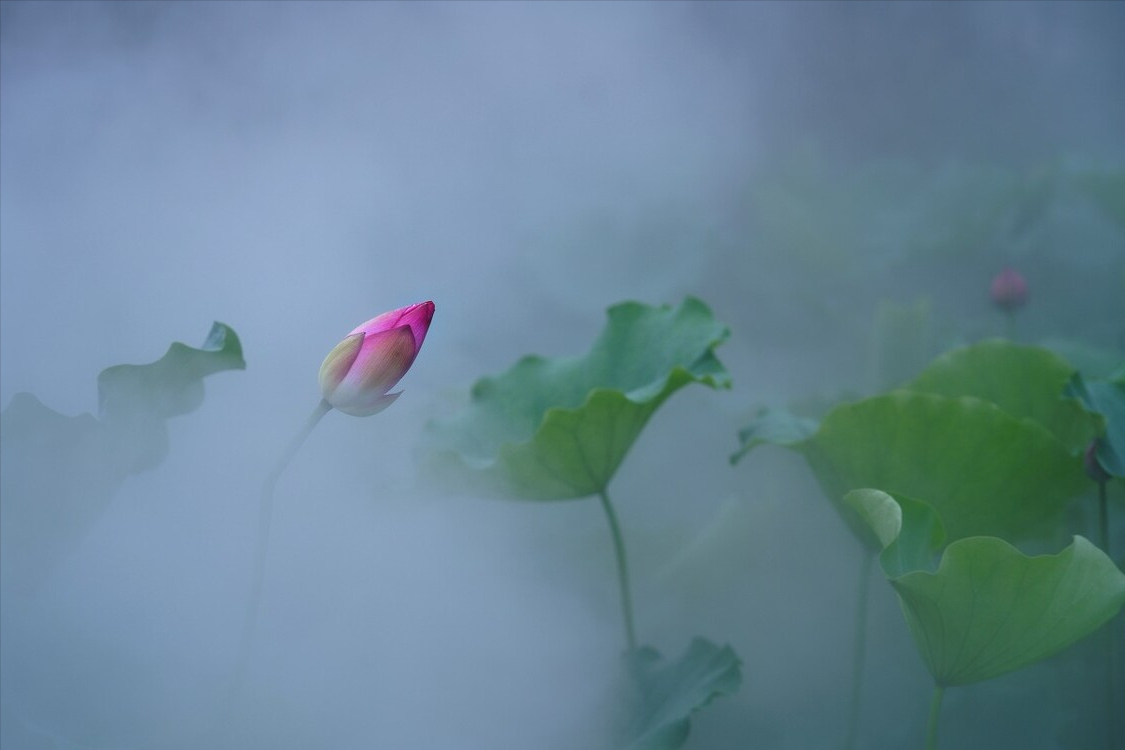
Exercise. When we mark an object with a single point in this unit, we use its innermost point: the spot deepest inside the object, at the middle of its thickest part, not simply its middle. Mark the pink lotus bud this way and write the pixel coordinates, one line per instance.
(358, 372)
(1009, 290)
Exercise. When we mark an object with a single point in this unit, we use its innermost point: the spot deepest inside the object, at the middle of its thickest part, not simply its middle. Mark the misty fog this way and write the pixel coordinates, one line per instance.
(293, 169)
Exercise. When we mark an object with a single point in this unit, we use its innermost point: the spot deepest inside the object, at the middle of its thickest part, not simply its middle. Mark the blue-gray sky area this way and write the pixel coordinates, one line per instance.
(295, 168)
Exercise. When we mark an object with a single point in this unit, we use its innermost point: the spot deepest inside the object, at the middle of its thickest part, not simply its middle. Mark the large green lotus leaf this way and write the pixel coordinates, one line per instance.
(990, 609)
(668, 694)
(1025, 381)
(1106, 397)
(551, 429)
(983, 470)
(60, 472)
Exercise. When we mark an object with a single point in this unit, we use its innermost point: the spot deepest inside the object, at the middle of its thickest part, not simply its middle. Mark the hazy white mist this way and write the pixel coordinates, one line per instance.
(293, 169)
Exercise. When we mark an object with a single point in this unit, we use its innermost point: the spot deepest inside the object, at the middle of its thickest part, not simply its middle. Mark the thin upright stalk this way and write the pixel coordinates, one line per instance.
(622, 571)
(1111, 630)
(261, 547)
(859, 648)
(1111, 707)
(935, 711)
(1103, 520)
(1010, 324)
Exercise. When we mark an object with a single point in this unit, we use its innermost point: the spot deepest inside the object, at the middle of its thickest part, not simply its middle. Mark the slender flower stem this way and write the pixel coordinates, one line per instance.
(261, 548)
(935, 711)
(1010, 324)
(859, 648)
(622, 571)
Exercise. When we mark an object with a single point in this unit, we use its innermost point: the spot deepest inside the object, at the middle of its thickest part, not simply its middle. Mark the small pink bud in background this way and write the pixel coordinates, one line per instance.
(358, 373)
(1093, 467)
(1009, 290)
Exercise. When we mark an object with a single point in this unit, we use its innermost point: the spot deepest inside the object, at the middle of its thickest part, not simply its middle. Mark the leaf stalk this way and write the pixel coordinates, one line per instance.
(622, 570)
(859, 647)
(1110, 631)
(935, 711)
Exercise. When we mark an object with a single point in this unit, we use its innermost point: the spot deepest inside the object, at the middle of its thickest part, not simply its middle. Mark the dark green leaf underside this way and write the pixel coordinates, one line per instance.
(1107, 398)
(668, 694)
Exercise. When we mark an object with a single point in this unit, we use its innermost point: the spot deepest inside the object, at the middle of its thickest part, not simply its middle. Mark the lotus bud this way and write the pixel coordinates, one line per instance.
(1009, 289)
(357, 374)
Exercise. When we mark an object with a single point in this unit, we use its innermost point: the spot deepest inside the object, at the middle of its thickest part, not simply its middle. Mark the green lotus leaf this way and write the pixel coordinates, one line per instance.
(60, 472)
(988, 608)
(173, 384)
(983, 470)
(668, 694)
(135, 400)
(909, 531)
(775, 427)
(1025, 381)
(552, 429)
(1106, 397)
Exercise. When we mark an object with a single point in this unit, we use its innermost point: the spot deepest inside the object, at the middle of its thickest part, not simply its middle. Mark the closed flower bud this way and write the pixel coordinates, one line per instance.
(1009, 289)
(358, 373)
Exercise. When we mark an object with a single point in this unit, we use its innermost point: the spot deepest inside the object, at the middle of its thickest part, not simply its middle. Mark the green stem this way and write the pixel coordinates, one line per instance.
(622, 571)
(859, 648)
(265, 512)
(1110, 688)
(935, 710)
(1111, 630)
(1010, 324)
(1103, 520)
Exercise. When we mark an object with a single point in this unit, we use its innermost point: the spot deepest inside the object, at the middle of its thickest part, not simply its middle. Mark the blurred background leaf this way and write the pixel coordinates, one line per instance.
(60, 472)
(1024, 381)
(668, 693)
